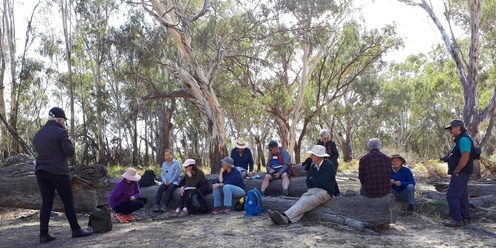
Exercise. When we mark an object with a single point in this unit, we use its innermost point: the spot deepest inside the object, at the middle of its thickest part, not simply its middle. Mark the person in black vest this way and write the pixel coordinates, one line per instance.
(52, 172)
(460, 167)
(330, 146)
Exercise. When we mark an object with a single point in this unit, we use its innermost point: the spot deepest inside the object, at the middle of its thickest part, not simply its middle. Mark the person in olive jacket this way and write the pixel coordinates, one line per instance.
(53, 146)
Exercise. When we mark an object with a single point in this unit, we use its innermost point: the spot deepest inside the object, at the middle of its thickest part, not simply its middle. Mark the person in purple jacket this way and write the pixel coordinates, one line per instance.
(402, 181)
(53, 145)
(125, 198)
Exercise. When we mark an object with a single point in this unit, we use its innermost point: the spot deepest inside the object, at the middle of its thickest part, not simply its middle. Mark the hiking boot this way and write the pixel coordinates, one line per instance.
(122, 218)
(280, 219)
(182, 214)
(454, 223)
(466, 222)
(410, 208)
(130, 217)
(81, 233)
(45, 238)
(163, 209)
(272, 217)
(227, 210)
(156, 208)
(285, 192)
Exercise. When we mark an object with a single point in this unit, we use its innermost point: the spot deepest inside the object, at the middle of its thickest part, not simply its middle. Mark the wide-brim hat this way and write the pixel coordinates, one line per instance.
(240, 143)
(131, 175)
(189, 162)
(228, 161)
(398, 156)
(318, 151)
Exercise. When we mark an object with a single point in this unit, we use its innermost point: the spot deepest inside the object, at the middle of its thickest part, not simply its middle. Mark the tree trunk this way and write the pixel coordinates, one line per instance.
(164, 114)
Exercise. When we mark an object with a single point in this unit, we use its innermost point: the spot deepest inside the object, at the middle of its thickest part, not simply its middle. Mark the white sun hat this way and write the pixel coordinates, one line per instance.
(318, 151)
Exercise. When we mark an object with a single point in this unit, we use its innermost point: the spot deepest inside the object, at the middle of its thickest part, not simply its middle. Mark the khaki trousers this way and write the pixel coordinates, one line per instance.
(308, 201)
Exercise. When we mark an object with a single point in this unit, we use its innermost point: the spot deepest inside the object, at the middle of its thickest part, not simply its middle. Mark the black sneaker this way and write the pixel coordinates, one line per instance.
(454, 223)
(45, 238)
(81, 233)
(156, 208)
(410, 208)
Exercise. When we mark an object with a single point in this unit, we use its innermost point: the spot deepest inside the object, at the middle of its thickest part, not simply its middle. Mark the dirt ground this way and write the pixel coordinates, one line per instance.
(19, 228)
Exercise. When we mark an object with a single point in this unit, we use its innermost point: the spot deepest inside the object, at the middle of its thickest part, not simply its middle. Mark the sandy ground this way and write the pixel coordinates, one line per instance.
(19, 228)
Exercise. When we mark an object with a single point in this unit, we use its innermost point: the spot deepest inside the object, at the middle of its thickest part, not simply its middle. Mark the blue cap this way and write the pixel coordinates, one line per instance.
(272, 144)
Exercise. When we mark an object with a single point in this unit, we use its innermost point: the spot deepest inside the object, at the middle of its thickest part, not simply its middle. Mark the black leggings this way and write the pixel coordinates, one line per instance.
(129, 206)
(48, 183)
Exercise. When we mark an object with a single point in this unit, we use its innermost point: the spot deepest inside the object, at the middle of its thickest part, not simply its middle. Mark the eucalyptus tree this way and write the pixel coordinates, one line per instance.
(326, 54)
(92, 19)
(132, 63)
(467, 63)
(18, 67)
(202, 48)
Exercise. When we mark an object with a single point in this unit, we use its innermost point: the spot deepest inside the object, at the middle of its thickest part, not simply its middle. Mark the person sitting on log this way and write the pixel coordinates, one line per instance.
(193, 182)
(125, 198)
(374, 171)
(402, 181)
(171, 177)
(229, 184)
(242, 157)
(277, 167)
(320, 182)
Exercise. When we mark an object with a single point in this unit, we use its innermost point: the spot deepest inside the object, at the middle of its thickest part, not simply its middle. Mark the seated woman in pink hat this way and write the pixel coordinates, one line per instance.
(125, 198)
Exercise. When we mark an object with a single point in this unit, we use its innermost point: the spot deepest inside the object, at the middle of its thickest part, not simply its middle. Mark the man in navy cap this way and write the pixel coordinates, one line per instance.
(52, 172)
(278, 166)
(460, 166)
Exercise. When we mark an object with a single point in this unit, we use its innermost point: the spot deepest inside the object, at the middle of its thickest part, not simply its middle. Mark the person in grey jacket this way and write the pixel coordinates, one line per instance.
(52, 172)
(278, 166)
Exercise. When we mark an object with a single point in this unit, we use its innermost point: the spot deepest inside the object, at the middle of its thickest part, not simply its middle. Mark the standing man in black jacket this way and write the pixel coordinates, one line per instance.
(52, 172)
(332, 150)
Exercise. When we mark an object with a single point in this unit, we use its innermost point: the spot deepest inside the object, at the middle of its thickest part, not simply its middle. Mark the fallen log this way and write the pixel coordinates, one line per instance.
(19, 188)
(355, 211)
(474, 189)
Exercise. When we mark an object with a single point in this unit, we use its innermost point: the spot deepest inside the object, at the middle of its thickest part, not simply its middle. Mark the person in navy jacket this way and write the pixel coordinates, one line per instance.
(402, 181)
(53, 145)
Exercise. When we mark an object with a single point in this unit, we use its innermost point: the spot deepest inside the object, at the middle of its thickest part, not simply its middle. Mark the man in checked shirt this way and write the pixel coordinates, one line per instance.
(374, 171)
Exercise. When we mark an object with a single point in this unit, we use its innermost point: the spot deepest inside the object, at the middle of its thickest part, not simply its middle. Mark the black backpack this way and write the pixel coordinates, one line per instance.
(198, 205)
(148, 179)
(101, 219)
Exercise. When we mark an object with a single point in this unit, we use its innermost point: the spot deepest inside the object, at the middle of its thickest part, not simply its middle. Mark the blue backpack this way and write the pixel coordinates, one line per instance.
(253, 203)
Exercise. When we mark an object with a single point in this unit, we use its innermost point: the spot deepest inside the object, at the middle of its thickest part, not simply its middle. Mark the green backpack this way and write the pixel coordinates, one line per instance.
(101, 219)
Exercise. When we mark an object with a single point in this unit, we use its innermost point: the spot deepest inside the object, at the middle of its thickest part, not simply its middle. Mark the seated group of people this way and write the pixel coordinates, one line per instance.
(376, 175)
